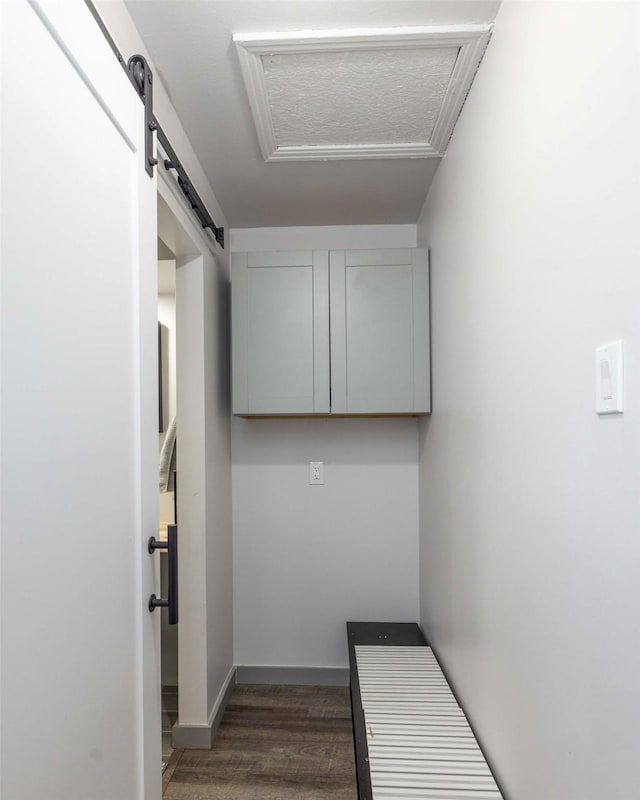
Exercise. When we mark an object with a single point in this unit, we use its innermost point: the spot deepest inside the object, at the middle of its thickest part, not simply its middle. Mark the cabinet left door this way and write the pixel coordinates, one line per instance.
(280, 332)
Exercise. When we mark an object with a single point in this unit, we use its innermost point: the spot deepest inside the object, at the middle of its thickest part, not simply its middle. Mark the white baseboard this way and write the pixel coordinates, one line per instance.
(200, 737)
(297, 676)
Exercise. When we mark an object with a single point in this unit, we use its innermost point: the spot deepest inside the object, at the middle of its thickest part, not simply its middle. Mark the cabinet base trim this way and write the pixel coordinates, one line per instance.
(334, 416)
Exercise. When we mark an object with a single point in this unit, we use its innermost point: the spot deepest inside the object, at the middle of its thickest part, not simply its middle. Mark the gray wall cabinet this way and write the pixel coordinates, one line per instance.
(340, 332)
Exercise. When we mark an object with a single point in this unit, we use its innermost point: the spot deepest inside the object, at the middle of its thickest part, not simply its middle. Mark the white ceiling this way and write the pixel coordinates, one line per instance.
(192, 48)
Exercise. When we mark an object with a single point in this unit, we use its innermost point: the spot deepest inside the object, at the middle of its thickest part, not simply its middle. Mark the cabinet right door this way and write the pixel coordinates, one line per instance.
(380, 331)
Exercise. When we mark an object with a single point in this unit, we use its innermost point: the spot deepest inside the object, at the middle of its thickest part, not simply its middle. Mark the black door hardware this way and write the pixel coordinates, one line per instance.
(171, 601)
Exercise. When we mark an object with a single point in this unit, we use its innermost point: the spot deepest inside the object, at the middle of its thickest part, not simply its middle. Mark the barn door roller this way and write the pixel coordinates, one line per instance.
(142, 79)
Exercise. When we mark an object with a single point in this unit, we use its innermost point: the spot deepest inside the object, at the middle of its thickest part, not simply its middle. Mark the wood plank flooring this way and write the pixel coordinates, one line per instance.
(274, 743)
(169, 717)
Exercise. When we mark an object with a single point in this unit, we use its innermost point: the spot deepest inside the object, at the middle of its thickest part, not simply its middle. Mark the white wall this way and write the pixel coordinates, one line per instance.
(321, 237)
(530, 552)
(217, 461)
(308, 558)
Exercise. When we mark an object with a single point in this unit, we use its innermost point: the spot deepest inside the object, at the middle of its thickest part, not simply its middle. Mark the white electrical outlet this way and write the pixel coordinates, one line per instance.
(316, 472)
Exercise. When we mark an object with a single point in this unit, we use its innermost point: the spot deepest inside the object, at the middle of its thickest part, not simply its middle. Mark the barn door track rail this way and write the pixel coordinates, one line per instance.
(141, 78)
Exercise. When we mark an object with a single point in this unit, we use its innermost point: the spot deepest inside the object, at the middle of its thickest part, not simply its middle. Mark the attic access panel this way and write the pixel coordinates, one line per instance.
(378, 93)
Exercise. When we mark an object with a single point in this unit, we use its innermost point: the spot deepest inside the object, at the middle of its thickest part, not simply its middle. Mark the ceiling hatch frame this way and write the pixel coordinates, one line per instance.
(471, 40)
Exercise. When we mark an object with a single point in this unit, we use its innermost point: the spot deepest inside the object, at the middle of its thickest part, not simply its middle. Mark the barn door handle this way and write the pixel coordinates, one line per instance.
(171, 546)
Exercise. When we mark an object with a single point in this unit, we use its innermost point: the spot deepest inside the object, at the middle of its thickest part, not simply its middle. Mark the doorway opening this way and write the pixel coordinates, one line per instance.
(167, 479)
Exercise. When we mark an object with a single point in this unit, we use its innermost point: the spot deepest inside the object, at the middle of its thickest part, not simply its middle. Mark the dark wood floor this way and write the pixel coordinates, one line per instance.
(274, 743)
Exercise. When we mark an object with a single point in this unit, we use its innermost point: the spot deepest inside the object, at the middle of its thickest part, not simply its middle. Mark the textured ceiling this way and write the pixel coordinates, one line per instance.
(357, 96)
(192, 49)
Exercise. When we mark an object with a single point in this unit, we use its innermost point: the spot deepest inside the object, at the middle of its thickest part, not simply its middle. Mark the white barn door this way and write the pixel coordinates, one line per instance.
(80, 716)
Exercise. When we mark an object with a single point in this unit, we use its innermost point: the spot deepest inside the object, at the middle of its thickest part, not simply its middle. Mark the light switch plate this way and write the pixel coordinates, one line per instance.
(609, 379)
